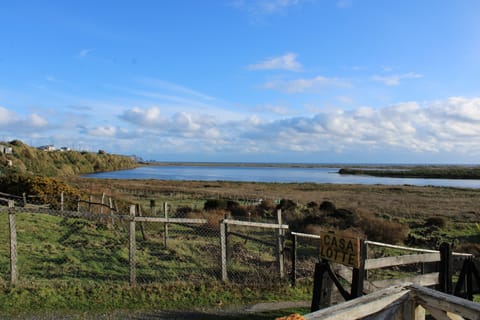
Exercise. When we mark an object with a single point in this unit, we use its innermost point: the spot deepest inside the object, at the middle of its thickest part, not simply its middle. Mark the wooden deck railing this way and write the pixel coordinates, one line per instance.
(407, 301)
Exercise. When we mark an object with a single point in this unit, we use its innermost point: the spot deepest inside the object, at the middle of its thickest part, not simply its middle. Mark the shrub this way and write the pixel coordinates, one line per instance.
(440, 222)
(383, 230)
(327, 207)
(215, 204)
(183, 212)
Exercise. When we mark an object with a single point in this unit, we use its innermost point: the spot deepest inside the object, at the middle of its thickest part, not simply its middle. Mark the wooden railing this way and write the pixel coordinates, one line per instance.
(407, 301)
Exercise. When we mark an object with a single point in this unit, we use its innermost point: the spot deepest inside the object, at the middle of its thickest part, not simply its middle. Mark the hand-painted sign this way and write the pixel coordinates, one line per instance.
(337, 247)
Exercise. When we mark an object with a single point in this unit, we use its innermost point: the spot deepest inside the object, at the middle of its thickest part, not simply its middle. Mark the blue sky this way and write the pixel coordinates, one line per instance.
(267, 80)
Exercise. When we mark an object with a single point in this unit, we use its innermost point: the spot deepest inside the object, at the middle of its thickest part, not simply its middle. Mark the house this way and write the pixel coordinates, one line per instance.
(49, 147)
(6, 150)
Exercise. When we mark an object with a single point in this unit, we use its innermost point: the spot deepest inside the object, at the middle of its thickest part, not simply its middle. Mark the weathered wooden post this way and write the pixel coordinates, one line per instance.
(132, 246)
(322, 286)
(446, 268)
(280, 246)
(13, 243)
(24, 195)
(153, 209)
(165, 225)
(78, 204)
(223, 247)
(142, 224)
(103, 202)
(62, 200)
(358, 274)
(90, 200)
(293, 275)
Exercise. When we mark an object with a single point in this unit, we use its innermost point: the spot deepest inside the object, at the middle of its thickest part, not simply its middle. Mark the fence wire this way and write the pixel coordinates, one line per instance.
(252, 255)
(88, 240)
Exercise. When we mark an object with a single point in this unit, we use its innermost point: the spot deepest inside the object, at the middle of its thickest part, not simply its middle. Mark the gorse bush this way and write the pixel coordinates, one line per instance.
(46, 190)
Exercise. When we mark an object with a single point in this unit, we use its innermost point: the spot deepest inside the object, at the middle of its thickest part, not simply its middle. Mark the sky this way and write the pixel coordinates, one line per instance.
(304, 81)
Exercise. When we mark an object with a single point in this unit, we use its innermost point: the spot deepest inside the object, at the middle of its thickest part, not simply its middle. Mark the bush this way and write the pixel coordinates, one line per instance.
(439, 222)
(327, 207)
(215, 204)
(384, 231)
(47, 190)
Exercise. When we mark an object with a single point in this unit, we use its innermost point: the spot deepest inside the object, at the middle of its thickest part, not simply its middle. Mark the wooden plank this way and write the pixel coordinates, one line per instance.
(386, 245)
(360, 307)
(306, 235)
(170, 220)
(341, 248)
(13, 243)
(256, 224)
(442, 301)
(401, 260)
(132, 247)
(223, 255)
(165, 225)
(442, 314)
(280, 247)
(429, 279)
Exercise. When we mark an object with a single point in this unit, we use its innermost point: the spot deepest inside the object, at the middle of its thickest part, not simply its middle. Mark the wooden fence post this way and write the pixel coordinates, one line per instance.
(62, 200)
(165, 225)
(132, 246)
(280, 246)
(223, 246)
(153, 209)
(358, 274)
(446, 268)
(103, 202)
(293, 275)
(322, 286)
(142, 225)
(90, 200)
(13, 243)
(24, 195)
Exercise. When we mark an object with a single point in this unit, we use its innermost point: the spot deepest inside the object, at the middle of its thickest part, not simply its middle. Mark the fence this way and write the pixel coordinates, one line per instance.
(139, 247)
(136, 248)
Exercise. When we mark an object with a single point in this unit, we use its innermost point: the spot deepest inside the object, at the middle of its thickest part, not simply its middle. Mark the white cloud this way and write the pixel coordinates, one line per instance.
(264, 7)
(6, 116)
(10, 120)
(286, 62)
(84, 53)
(395, 79)
(302, 85)
(105, 131)
(37, 121)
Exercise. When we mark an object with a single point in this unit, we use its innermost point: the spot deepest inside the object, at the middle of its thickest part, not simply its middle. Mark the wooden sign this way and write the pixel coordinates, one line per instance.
(335, 246)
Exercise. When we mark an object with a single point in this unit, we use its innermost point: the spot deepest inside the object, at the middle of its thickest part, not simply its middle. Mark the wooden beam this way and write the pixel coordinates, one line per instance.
(442, 301)
(360, 307)
(401, 260)
(256, 224)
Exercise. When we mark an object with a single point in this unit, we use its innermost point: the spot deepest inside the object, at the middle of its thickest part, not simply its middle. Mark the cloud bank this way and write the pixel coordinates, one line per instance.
(450, 126)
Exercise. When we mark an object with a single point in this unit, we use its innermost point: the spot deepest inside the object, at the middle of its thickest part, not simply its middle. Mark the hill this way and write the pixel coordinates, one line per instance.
(58, 163)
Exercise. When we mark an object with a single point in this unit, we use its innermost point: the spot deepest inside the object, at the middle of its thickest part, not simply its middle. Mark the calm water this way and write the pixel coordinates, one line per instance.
(270, 174)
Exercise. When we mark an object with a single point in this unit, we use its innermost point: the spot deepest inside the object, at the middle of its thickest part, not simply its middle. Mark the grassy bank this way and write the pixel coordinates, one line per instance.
(27, 159)
(424, 172)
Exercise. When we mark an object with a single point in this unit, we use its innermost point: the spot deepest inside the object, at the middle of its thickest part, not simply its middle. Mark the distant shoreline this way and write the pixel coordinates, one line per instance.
(306, 165)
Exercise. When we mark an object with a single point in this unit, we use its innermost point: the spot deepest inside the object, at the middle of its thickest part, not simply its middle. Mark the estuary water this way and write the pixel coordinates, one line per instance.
(271, 174)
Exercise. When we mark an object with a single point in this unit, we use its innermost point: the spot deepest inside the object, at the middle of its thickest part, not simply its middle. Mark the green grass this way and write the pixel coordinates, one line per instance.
(81, 265)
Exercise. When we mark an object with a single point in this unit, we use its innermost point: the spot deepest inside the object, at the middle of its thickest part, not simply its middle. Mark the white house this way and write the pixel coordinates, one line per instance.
(5, 149)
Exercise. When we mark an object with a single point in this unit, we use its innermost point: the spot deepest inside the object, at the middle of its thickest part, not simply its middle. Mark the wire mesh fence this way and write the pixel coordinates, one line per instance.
(91, 240)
